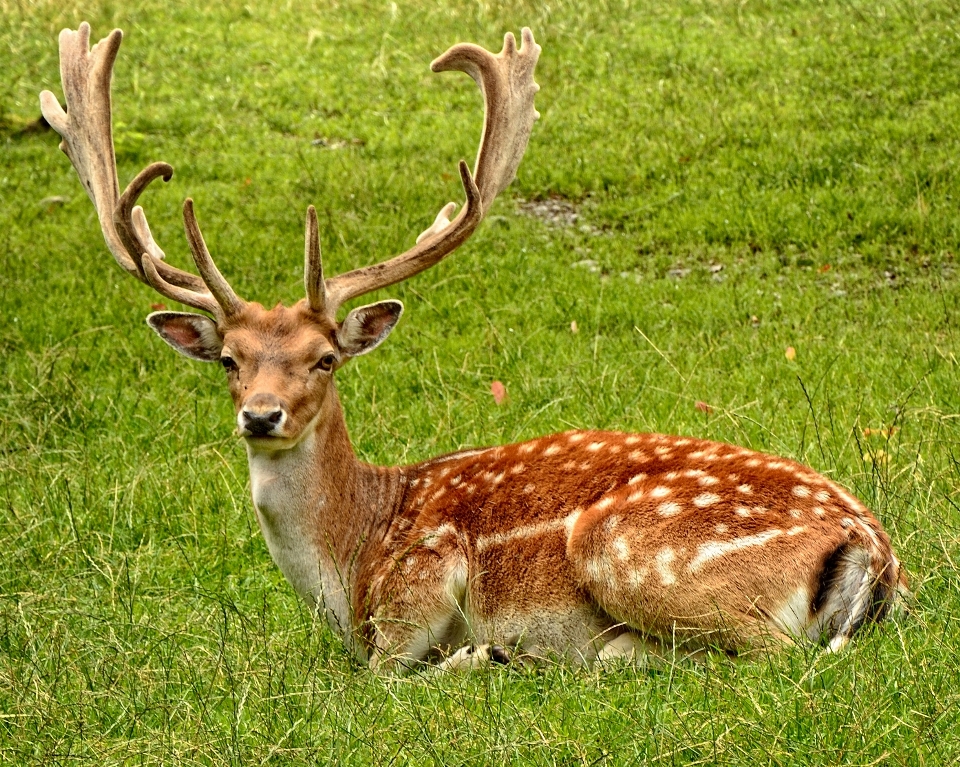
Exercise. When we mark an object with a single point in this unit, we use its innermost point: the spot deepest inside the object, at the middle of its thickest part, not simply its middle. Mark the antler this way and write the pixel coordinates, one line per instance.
(88, 141)
(506, 82)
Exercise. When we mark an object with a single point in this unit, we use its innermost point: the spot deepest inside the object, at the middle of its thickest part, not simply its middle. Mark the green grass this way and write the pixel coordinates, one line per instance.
(810, 149)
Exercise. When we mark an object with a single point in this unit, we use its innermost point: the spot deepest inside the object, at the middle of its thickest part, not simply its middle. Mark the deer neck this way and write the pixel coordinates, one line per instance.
(317, 506)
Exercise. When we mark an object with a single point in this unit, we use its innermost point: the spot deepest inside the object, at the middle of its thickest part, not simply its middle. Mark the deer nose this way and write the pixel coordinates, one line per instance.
(261, 424)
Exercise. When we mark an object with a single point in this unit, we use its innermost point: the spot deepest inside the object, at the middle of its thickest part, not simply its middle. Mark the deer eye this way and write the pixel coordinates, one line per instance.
(326, 362)
(229, 364)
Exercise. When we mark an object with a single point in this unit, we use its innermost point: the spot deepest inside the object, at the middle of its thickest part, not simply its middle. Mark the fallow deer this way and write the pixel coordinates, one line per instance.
(587, 544)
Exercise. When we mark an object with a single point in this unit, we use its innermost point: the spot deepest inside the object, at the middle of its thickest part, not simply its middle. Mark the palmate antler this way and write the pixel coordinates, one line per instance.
(505, 79)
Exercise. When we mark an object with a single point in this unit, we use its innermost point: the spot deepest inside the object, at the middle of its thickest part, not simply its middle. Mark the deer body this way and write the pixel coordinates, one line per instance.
(588, 544)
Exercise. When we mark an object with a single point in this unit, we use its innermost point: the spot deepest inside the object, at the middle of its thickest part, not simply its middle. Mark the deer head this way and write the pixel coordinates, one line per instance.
(280, 362)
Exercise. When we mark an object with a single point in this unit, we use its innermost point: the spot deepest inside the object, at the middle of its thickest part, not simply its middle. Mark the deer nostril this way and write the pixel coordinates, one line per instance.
(261, 424)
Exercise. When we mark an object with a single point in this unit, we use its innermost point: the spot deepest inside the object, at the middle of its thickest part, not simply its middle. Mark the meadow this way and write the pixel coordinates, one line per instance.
(735, 220)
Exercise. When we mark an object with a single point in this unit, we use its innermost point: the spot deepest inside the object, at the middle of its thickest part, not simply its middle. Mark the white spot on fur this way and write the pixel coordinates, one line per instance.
(636, 478)
(660, 491)
(527, 447)
(569, 466)
(552, 449)
(663, 451)
(745, 489)
(846, 522)
(638, 456)
(801, 491)
(694, 473)
(604, 503)
(456, 480)
(822, 495)
(696, 454)
(819, 511)
(621, 548)
(753, 462)
(635, 496)
(670, 476)
(577, 436)
(664, 563)
(707, 481)
(529, 488)
(795, 513)
(775, 465)
(721, 528)
(733, 477)
(742, 511)
(796, 530)
(669, 509)
(518, 469)
(707, 552)
(534, 530)
(614, 449)
(586, 466)
(706, 499)
(593, 447)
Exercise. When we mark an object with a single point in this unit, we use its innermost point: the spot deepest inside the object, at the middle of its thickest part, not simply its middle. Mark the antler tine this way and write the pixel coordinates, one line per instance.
(230, 303)
(506, 82)
(87, 133)
(313, 265)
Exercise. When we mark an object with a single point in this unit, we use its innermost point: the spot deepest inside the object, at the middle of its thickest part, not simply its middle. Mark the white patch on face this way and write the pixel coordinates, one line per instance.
(707, 481)
(822, 495)
(664, 564)
(636, 478)
(660, 491)
(669, 509)
(706, 499)
(801, 491)
(621, 548)
(707, 552)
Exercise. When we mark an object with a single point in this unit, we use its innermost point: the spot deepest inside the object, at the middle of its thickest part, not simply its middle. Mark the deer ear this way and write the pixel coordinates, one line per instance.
(193, 335)
(366, 327)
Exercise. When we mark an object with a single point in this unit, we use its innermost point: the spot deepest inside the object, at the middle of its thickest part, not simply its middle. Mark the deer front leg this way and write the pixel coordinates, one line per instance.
(418, 615)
